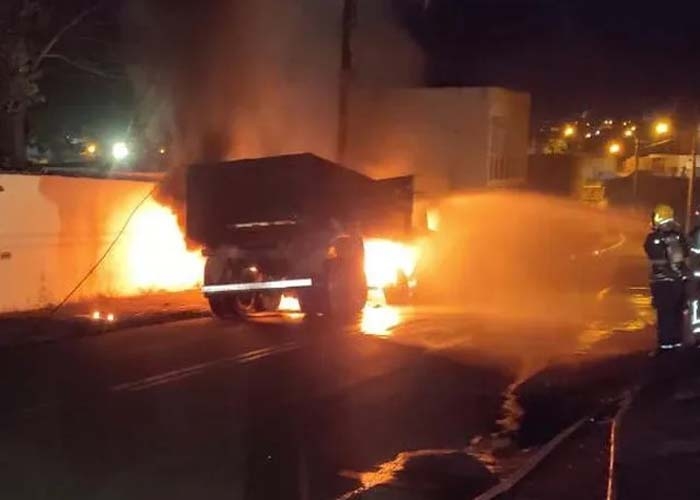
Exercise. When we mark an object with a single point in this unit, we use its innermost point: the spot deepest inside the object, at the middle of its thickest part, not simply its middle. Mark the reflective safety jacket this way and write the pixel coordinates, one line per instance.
(667, 250)
(694, 243)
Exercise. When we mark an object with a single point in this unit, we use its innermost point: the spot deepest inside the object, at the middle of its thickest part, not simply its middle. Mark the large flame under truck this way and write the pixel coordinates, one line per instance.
(290, 225)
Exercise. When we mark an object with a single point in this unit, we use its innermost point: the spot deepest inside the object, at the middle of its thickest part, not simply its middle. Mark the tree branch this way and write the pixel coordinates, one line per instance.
(57, 37)
(84, 67)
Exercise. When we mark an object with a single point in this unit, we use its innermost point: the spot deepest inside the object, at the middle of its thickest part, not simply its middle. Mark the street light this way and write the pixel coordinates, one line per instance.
(120, 151)
(614, 148)
(662, 127)
(569, 131)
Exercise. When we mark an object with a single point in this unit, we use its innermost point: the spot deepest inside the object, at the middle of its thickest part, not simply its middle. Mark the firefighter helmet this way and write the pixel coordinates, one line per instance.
(662, 213)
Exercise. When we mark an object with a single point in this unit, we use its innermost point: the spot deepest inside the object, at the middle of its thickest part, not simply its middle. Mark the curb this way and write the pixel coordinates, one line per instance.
(513, 480)
(36, 330)
(611, 490)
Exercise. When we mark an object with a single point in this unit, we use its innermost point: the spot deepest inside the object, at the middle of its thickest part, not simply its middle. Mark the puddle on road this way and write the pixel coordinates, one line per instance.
(378, 317)
(445, 473)
(634, 312)
(379, 320)
(386, 472)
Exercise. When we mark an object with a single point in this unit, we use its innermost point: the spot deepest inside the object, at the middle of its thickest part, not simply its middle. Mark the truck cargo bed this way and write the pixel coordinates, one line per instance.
(268, 198)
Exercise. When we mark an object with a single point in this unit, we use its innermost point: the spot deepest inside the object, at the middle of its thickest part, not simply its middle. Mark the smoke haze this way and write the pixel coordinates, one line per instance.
(523, 255)
(256, 77)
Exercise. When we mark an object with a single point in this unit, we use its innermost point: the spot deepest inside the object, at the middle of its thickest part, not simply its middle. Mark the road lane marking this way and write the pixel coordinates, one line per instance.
(189, 371)
(281, 349)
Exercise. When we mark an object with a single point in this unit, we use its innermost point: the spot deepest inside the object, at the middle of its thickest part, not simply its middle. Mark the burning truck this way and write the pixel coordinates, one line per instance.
(299, 226)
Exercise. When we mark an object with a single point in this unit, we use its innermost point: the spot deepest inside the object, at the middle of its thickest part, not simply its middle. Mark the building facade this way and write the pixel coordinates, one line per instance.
(667, 165)
(450, 138)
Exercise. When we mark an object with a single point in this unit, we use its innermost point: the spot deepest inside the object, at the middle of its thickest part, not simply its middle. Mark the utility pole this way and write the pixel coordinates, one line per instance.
(689, 209)
(638, 145)
(348, 24)
(635, 177)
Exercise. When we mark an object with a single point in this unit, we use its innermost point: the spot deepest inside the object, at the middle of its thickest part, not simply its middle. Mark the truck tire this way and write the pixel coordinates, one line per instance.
(313, 302)
(268, 302)
(341, 294)
(346, 291)
(222, 307)
(235, 306)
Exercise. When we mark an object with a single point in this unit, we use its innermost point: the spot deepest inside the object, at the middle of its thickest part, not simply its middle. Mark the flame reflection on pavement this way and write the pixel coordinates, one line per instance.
(377, 317)
(379, 320)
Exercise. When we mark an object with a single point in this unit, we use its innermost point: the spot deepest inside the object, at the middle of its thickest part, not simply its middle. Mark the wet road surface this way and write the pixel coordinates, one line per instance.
(421, 397)
(424, 401)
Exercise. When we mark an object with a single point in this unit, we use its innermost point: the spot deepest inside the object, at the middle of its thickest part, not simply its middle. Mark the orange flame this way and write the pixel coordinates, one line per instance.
(156, 256)
(289, 304)
(384, 259)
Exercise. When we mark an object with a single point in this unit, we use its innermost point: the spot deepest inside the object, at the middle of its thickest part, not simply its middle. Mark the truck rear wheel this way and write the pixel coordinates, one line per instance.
(347, 292)
(268, 301)
(239, 306)
(236, 305)
(342, 294)
(222, 307)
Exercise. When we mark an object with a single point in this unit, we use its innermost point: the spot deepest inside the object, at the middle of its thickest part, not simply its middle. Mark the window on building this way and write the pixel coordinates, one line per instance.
(498, 169)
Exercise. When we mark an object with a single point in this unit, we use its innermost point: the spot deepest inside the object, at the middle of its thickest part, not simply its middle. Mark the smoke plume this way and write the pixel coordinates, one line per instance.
(248, 78)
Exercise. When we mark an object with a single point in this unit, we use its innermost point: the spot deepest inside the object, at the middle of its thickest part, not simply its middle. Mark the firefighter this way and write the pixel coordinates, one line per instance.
(694, 242)
(666, 248)
(693, 287)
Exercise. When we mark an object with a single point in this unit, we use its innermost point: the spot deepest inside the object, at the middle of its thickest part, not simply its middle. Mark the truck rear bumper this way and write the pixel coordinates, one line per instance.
(257, 286)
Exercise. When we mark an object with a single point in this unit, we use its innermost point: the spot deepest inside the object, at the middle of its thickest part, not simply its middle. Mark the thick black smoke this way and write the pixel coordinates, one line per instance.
(229, 79)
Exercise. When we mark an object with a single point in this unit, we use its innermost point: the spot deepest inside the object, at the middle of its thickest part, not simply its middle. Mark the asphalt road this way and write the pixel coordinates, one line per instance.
(289, 408)
(420, 402)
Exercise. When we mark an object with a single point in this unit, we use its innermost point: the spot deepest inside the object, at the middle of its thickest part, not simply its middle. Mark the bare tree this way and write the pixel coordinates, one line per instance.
(23, 54)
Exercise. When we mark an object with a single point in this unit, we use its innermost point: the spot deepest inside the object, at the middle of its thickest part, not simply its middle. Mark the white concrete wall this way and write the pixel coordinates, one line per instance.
(590, 168)
(53, 229)
(670, 165)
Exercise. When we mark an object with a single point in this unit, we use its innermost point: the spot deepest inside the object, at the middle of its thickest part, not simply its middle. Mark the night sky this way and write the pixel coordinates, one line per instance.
(614, 58)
